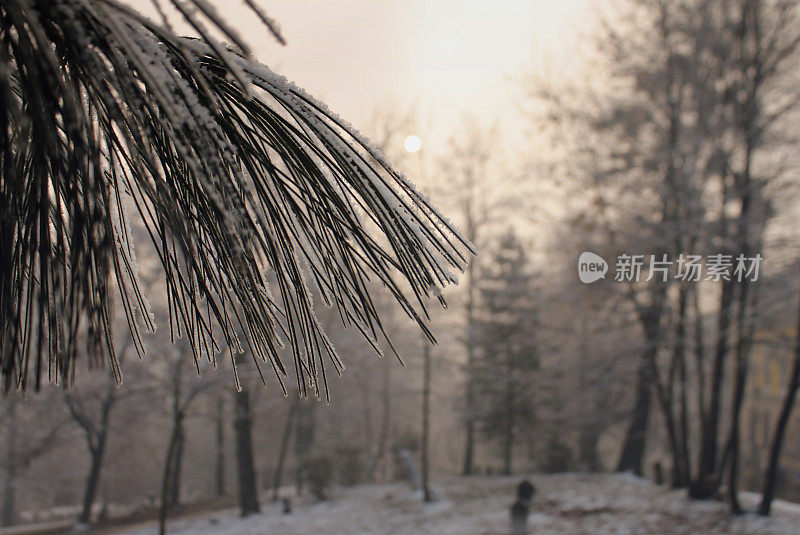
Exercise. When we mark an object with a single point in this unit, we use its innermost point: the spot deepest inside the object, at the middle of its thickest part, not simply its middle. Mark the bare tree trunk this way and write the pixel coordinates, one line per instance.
(508, 439)
(287, 433)
(177, 462)
(666, 398)
(733, 442)
(683, 460)
(369, 431)
(93, 480)
(676, 425)
(633, 451)
(248, 493)
(589, 433)
(303, 439)
(780, 429)
(752, 66)
(97, 450)
(672, 435)
(172, 466)
(383, 434)
(219, 469)
(708, 478)
(744, 331)
(426, 409)
(166, 480)
(700, 366)
(9, 505)
(469, 445)
(672, 205)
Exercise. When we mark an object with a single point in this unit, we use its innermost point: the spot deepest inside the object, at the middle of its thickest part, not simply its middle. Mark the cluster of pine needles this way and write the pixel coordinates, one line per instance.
(255, 197)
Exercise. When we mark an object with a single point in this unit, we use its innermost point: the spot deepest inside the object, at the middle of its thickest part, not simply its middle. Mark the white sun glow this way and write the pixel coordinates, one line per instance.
(412, 143)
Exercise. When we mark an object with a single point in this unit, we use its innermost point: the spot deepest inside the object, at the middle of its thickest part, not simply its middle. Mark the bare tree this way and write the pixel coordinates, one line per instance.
(219, 458)
(92, 407)
(245, 462)
(770, 477)
(285, 438)
(95, 422)
(471, 172)
(182, 394)
(688, 128)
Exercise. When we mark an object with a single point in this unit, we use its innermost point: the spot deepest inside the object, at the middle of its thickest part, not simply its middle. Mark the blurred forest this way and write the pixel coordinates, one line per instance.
(681, 140)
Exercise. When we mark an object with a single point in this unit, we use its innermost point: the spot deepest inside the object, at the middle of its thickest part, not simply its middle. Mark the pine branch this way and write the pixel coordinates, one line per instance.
(239, 178)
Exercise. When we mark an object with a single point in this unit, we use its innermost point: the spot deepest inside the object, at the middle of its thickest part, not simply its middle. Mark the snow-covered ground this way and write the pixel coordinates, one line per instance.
(564, 504)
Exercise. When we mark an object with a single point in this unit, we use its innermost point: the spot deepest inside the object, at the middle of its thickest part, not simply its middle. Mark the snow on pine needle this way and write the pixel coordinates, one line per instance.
(240, 179)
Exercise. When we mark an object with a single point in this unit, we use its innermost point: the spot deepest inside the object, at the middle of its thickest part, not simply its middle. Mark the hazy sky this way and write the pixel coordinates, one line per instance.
(447, 56)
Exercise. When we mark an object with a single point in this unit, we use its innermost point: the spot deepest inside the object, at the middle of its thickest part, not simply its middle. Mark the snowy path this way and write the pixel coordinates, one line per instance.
(564, 504)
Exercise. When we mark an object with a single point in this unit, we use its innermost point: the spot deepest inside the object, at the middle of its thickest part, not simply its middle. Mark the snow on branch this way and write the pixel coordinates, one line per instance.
(240, 178)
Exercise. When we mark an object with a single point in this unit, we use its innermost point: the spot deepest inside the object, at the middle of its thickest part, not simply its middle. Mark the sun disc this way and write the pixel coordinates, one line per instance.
(412, 143)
